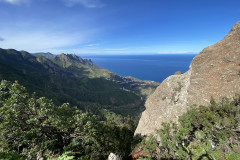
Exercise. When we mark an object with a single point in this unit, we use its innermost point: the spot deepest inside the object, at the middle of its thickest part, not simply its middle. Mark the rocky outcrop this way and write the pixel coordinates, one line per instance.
(113, 156)
(214, 72)
(166, 103)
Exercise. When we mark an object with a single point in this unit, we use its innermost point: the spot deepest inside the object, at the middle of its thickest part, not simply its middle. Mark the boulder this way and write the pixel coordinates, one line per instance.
(113, 156)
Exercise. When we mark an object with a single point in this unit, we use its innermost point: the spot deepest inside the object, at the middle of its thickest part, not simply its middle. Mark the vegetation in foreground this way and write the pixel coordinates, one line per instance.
(204, 132)
(34, 128)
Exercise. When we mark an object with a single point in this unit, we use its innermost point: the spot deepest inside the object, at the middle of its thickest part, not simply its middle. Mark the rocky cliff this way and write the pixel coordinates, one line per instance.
(214, 72)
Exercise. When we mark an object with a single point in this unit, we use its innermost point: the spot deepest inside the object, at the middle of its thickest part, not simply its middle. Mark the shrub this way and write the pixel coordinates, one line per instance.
(202, 131)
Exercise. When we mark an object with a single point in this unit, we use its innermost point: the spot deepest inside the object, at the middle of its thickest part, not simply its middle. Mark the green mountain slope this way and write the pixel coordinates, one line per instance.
(86, 68)
(69, 78)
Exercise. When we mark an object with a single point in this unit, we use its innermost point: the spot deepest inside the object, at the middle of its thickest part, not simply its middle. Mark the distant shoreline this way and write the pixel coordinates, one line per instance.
(154, 67)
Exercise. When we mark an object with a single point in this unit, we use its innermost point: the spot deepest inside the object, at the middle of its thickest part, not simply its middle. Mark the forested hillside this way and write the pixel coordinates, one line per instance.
(69, 78)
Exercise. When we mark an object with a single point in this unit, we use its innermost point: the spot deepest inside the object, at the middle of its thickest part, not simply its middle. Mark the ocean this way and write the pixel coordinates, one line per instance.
(144, 67)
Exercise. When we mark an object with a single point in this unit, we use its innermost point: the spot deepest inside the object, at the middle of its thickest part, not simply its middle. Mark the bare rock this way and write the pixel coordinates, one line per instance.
(178, 73)
(113, 156)
(214, 72)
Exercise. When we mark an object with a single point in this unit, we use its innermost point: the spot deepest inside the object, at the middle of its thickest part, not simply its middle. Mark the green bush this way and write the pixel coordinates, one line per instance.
(149, 145)
(11, 155)
(202, 131)
(36, 127)
(232, 156)
(64, 156)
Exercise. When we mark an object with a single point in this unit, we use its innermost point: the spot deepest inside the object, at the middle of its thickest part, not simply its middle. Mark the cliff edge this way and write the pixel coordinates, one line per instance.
(214, 72)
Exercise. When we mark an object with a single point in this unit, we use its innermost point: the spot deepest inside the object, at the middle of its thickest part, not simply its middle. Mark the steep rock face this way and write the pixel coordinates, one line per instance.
(213, 72)
(216, 70)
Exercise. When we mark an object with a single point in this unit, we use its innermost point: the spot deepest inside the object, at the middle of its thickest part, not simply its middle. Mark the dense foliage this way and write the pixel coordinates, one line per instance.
(204, 132)
(33, 127)
(66, 79)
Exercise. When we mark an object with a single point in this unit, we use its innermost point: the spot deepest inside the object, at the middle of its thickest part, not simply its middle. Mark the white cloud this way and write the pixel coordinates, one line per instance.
(85, 3)
(36, 41)
(16, 2)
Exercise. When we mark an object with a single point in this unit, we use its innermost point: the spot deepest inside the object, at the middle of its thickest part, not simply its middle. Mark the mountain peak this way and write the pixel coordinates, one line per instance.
(17, 55)
(70, 56)
(67, 60)
(234, 33)
(44, 54)
(236, 27)
(63, 55)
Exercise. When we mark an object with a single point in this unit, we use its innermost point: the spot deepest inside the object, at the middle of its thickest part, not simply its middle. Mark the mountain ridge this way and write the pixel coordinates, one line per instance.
(45, 54)
(69, 78)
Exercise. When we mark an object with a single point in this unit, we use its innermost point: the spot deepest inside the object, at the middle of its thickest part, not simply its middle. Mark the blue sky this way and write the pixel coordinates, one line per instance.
(115, 26)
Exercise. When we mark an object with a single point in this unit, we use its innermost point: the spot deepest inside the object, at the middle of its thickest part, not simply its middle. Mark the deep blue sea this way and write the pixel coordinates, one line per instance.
(144, 67)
